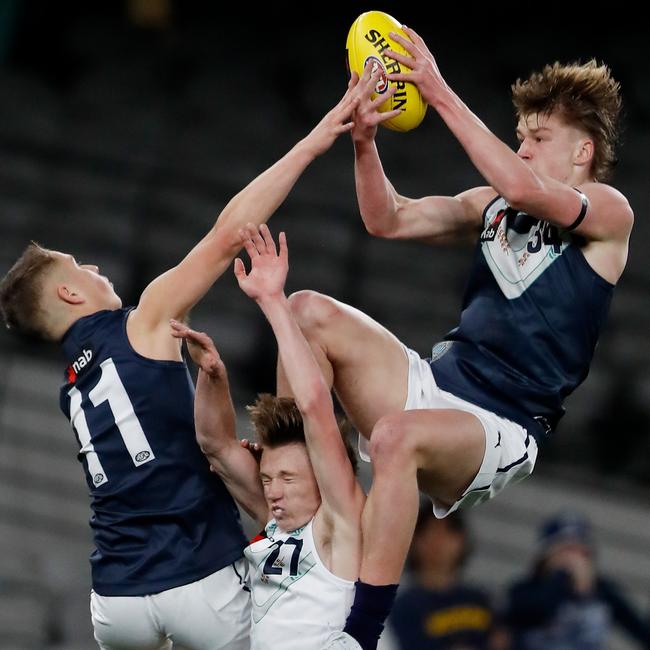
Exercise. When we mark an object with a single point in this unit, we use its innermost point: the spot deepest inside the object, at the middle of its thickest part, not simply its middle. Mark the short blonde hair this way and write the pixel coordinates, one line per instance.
(585, 95)
(21, 292)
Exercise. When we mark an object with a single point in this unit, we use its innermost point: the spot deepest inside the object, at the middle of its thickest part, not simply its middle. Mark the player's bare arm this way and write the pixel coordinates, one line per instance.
(608, 217)
(175, 292)
(386, 213)
(342, 496)
(438, 219)
(215, 421)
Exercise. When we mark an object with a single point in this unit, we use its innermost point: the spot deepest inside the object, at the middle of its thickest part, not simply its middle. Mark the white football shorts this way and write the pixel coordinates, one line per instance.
(210, 614)
(510, 451)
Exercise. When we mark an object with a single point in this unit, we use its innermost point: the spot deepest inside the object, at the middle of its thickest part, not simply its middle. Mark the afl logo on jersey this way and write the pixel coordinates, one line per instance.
(98, 478)
(439, 349)
(142, 456)
(382, 83)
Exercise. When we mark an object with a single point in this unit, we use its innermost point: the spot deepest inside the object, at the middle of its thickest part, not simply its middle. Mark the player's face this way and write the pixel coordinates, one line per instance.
(550, 146)
(97, 289)
(289, 485)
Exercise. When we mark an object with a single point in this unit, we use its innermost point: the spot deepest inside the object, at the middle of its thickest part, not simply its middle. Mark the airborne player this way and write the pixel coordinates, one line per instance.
(552, 242)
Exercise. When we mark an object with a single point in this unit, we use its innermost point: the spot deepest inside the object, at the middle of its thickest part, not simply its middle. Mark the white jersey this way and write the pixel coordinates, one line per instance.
(297, 602)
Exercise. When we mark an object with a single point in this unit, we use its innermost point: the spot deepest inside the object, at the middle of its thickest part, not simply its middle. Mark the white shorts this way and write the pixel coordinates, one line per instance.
(210, 614)
(510, 452)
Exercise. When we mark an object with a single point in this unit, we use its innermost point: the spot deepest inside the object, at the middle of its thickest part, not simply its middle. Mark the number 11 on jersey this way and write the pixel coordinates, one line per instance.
(109, 389)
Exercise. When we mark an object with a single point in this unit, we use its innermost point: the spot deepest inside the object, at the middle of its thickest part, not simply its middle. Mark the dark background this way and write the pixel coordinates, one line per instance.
(125, 127)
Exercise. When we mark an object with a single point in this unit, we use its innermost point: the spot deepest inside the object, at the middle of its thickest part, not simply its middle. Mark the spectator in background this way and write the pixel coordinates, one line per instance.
(565, 604)
(438, 611)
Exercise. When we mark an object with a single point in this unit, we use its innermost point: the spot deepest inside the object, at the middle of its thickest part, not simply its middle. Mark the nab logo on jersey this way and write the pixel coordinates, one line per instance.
(75, 368)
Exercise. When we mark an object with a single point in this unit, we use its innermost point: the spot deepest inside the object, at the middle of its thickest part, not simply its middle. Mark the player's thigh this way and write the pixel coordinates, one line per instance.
(212, 613)
(370, 364)
(121, 622)
(450, 464)
(445, 446)
(464, 455)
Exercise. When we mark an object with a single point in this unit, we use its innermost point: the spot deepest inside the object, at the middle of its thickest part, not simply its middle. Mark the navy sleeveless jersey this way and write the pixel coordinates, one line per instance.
(161, 518)
(531, 315)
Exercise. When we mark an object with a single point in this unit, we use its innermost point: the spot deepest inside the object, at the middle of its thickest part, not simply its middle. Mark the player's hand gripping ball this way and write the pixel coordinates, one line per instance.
(367, 41)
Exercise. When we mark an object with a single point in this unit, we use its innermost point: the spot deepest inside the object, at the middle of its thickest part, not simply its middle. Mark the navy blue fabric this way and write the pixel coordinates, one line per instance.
(460, 616)
(371, 606)
(168, 521)
(521, 356)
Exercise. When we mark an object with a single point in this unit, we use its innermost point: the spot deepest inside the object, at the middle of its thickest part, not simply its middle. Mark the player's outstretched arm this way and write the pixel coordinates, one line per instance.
(341, 494)
(384, 211)
(215, 423)
(175, 292)
(609, 216)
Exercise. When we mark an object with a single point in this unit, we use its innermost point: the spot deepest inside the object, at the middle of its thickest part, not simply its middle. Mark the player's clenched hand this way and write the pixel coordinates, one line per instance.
(366, 115)
(253, 447)
(201, 348)
(268, 266)
(424, 69)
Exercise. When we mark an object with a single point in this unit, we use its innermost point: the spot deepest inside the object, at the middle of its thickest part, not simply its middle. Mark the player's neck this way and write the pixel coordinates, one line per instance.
(579, 177)
(67, 319)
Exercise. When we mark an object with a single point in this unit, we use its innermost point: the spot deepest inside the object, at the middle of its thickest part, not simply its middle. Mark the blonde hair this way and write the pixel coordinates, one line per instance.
(583, 94)
(277, 422)
(21, 292)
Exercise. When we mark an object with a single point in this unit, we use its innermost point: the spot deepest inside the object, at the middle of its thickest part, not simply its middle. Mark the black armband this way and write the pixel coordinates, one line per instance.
(583, 210)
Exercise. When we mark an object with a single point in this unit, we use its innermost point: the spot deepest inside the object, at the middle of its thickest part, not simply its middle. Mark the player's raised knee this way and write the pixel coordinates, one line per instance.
(312, 309)
(389, 442)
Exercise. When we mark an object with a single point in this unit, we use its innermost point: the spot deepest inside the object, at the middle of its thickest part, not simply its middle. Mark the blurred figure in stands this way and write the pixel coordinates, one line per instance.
(565, 603)
(438, 611)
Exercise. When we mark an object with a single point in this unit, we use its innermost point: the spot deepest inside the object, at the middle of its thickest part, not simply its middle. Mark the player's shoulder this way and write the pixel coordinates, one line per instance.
(606, 198)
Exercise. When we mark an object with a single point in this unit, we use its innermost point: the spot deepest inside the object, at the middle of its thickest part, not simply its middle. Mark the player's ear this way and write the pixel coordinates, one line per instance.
(584, 152)
(69, 294)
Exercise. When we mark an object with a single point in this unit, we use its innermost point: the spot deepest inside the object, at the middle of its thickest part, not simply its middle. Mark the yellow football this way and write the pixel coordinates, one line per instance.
(367, 41)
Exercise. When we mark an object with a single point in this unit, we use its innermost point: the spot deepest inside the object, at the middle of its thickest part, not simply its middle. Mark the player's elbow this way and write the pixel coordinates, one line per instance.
(313, 398)
(213, 448)
(523, 191)
(516, 196)
(218, 455)
(380, 224)
(374, 227)
(207, 448)
(232, 243)
(225, 240)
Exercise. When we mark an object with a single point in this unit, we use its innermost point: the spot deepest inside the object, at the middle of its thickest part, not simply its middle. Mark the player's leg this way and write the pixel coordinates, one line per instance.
(438, 452)
(125, 622)
(366, 364)
(209, 614)
(452, 450)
